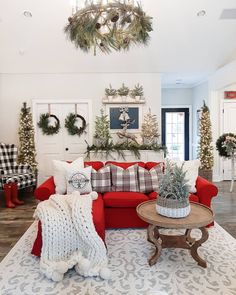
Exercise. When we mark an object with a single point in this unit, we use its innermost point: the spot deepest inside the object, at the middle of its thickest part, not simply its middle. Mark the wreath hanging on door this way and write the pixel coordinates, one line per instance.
(70, 124)
(224, 143)
(46, 126)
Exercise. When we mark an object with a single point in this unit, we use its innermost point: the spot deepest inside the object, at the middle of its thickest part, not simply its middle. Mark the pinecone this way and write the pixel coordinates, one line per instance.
(115, 18)
(98, 26)
(70, 19)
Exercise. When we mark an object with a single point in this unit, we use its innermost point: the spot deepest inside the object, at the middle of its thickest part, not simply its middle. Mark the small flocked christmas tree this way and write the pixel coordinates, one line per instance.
(149, 130)
(205, 150)
(102, 131)
(27, 151)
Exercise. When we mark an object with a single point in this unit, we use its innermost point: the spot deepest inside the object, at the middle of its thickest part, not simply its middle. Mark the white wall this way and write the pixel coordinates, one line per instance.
(200, 93)
(17, 88)
(179, 97)
(176, 96)
(221, 80)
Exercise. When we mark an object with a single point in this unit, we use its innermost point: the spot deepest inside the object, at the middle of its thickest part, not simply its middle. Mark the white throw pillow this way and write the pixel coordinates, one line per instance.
(79, 180)
(60, 171)
(191, 168)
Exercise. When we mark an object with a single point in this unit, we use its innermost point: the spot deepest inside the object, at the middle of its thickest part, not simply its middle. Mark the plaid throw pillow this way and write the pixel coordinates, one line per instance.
(101, 179)
(124, 180)
(149, 179)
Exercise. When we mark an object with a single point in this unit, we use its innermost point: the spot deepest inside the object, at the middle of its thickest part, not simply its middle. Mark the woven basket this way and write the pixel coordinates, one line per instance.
(172, 208)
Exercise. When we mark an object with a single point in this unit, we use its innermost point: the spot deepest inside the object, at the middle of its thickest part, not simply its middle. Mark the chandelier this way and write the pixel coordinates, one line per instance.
(114, 25)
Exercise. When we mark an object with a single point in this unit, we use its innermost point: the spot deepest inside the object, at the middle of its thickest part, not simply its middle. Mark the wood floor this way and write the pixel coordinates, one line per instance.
(14, 222)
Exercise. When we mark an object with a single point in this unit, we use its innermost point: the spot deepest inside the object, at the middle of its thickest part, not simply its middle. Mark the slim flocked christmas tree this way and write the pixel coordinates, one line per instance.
(149, 130)
(27, 151)
(205, 151)
(102, 131)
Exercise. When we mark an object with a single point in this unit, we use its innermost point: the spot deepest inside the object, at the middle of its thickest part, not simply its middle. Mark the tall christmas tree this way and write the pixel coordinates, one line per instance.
(149, 129)
(27, 151)
(102, 131)
(205, 150)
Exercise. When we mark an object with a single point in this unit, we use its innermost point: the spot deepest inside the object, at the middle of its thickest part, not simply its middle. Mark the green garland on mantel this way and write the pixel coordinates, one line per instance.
(119, 148)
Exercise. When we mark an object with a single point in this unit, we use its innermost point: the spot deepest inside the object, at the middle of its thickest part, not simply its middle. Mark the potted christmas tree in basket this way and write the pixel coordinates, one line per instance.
(173, 198)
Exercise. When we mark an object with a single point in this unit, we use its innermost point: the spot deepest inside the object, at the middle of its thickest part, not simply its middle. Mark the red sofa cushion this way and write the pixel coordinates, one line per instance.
(193, 198)
(125, 165)
(98, 220)
(123, 199)
(95, 164)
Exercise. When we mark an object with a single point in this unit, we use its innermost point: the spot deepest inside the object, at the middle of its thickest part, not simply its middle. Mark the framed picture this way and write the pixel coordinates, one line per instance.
(119, 114)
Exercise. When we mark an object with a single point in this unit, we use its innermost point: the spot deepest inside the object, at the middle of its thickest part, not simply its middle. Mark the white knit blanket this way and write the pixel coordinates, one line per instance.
(69, 237)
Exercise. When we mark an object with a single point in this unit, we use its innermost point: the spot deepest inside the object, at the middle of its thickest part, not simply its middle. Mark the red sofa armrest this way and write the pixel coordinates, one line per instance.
(45, 190)
(205, 191)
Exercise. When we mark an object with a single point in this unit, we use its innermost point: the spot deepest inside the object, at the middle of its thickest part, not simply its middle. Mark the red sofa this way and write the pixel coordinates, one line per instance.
(118, 209)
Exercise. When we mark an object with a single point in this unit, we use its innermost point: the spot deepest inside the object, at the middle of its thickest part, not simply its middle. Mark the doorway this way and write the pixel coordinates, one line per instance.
(175, 132)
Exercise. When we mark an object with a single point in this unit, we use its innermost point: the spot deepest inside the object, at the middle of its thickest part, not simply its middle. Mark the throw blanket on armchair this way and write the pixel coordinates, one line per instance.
(69, 237)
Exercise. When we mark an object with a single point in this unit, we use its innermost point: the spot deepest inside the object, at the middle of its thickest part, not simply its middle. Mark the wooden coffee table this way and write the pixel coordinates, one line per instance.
(199, 217)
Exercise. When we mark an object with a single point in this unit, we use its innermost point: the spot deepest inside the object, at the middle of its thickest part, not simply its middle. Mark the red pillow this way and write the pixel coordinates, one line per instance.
(125, 165)
(95, 164)
(150, 165)
(36, 250)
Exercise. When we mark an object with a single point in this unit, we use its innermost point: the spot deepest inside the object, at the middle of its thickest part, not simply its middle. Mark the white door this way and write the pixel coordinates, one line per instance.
(229, 125)
(60, 146)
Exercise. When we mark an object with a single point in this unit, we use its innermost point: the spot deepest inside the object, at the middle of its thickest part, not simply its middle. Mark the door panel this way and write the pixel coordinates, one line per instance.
(61, 146)
(229, 125)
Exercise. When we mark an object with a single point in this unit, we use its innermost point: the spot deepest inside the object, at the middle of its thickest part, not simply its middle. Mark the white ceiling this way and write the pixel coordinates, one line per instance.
(183, 46)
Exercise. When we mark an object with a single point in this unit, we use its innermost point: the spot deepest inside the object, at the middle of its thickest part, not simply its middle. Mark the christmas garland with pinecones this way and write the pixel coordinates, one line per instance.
(70, 122)
(44, 124)
(220, 144)
(109, 26)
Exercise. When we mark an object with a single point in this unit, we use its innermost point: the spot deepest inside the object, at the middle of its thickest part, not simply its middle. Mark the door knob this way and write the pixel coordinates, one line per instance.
(66, 149)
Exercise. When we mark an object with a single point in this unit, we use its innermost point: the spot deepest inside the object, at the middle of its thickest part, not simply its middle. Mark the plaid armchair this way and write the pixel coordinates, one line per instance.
(10, 172)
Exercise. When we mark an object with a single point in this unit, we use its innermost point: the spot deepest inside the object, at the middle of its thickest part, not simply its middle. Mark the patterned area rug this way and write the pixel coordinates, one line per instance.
(175, 272)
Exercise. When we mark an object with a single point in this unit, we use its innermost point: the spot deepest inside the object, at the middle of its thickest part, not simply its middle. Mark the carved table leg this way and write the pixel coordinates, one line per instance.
(197, 244)
(153, 236)
(189, 239)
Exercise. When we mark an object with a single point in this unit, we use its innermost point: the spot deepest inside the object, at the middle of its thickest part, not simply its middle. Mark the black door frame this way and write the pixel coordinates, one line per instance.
(186, 127)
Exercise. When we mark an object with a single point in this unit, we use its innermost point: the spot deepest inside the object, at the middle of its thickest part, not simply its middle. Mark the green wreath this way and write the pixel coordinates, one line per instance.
(44, 124)
(219, 144)
(71, 127)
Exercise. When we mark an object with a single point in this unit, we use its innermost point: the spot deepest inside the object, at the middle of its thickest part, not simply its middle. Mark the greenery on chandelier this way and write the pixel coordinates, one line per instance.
(102, 131)
(114, 25)
(173, 184)
(27, 153)
(109, 147)
(123, 90)
(137, 91)
(226, 145)
(70, 124)
(45, 125)
(205, 150)
(110, 91)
